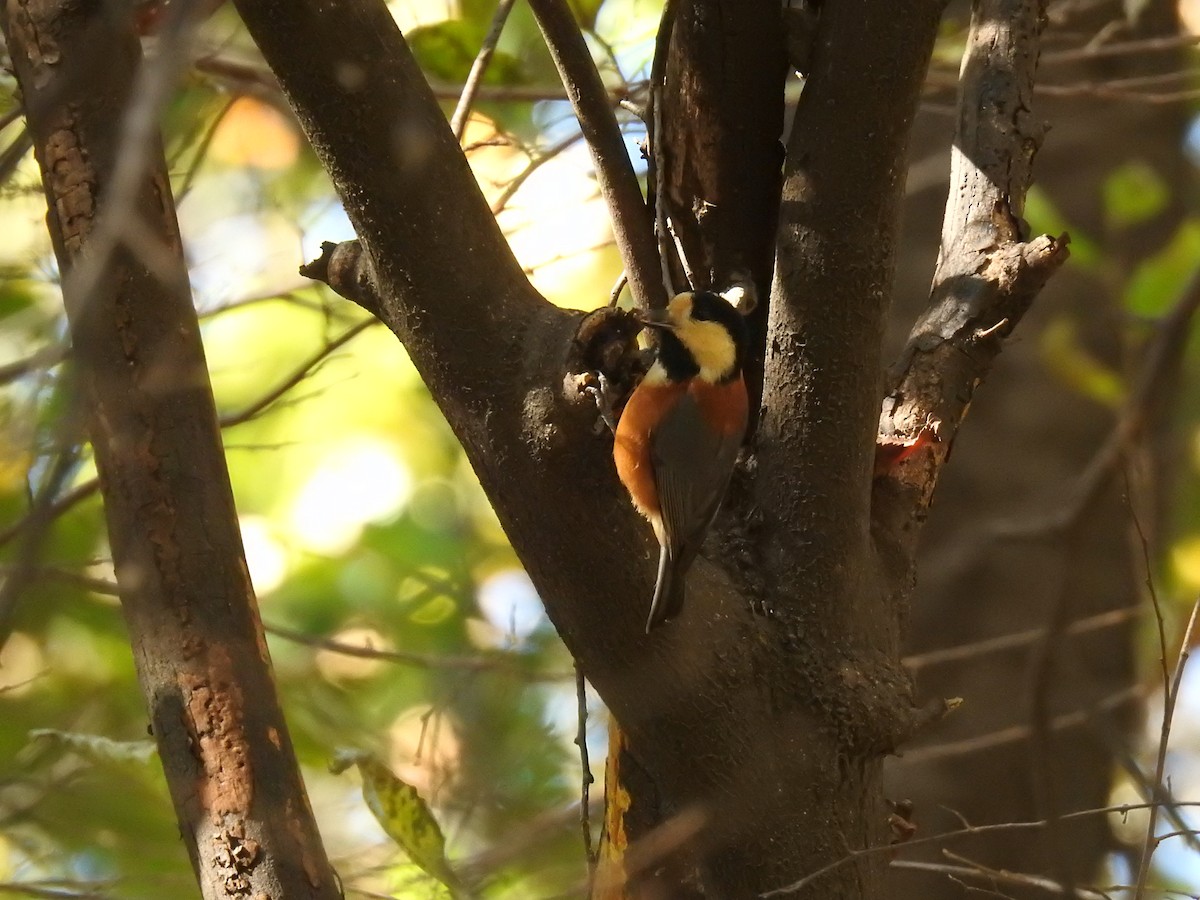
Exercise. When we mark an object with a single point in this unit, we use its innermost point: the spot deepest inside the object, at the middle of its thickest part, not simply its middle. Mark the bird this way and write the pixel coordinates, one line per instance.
(678, 436)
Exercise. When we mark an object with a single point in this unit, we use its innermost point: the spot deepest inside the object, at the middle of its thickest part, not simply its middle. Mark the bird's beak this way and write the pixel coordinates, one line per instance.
(655, 318)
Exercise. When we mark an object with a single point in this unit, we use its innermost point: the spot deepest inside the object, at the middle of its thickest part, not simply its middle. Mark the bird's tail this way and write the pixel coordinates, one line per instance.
(668, 589)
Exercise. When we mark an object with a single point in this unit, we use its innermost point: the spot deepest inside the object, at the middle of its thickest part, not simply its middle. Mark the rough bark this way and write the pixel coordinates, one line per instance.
(185, 592)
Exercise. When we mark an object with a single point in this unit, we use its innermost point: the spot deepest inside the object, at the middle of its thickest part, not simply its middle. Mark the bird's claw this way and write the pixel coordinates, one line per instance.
(601, 392)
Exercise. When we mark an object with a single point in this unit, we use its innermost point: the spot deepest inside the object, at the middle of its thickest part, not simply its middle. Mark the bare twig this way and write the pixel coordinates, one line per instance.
(536, 162)
(1106, 619)
(298, 375)
(1122, 48)
(43, 358)
(1160, 362)
(1014, 733)
(1043, 669)
(60, 505)
(998, 876)
(967, 830)
(11, 115)
(246, 77)
(120, 225)
(1169, 700)
(434, 661)
(14, 153)
(614, 296)
(462, 112)
(586, 779)
(201, 155)
(614, 172)
(42, 514)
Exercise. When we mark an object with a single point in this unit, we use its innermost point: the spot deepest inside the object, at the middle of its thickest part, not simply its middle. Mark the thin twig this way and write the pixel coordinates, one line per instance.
(1043, 672)
(1160, 766)
(301, 372)
(462, 112)
(967, 830)
(433, 661)
(517, 181)
(1019, 639)
(614, 171)
(586, 779)
(1161, 361)
(1014, 733)
(120, 224)
(614, 295)
(14, 153)
(201, 155)
(11, 115)
(1016, 879)
(60, 505)
(259, 81)
(1123, 48)
(42, 512)
(43, 358)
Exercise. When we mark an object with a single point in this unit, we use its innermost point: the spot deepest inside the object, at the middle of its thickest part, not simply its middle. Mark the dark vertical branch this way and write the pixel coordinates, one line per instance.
(614, 172)
(721, 152)
(843, 182)
(722, 123)
(185, 592)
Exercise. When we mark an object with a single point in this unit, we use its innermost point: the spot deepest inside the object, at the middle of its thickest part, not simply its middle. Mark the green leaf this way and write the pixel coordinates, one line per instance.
(586, 12)
(447, 50)
(1046, 218)
(1156, 283)
(1134, 193)
(403, 814)
(16, 291)
(1067, 357)
(94, 747)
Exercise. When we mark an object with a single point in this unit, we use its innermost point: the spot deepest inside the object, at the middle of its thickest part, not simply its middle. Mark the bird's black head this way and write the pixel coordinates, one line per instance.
(703, 336)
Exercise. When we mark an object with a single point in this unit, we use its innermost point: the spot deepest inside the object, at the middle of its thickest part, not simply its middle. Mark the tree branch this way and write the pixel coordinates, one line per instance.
(201, 656)
(630, 218)
(987, 275)
(462, 112)
(835, 263)
(843, 183)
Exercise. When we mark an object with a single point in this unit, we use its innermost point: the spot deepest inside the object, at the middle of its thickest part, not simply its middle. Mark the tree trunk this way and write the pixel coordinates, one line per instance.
(185, 592)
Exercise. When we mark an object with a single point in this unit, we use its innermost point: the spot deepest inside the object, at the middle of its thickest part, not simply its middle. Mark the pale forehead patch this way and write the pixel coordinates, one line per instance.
(680, 309)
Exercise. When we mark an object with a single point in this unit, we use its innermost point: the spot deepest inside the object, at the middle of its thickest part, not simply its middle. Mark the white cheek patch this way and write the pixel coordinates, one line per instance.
(656, 376)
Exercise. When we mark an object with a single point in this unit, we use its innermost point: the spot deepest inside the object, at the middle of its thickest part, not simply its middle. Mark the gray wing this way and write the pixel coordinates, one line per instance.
(692, 465)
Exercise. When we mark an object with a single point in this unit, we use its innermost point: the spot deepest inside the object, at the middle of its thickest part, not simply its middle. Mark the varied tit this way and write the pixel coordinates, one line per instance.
(678, 437)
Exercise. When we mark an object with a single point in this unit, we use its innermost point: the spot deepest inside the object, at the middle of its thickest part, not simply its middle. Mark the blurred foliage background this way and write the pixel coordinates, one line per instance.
(364, 528)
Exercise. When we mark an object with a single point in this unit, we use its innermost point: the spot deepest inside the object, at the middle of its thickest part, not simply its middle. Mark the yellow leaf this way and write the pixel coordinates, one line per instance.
(255, 134)
(407, 819)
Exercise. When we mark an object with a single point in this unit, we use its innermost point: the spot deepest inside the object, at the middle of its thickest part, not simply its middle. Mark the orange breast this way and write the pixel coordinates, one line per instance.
(631, 445)
(724, 406)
